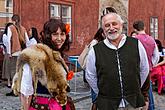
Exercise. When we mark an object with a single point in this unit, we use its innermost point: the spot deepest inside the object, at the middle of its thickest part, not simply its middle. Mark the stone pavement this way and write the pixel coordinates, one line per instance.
(80, 94)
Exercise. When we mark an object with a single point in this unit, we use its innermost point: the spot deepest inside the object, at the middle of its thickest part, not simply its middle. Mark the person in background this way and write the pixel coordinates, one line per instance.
(16, 38)
(99, 36)
(55, 41)
(110, 68)
(161, 53)
(33, 37)
(108, 10)
(153, 58)
(133, 34)
(5, 70)
(158, 71)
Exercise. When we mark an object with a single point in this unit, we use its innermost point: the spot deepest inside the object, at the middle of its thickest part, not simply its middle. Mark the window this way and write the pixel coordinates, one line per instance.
(9, 4)
(6, 11)
(55, 11)
(62, 12)
(154, 27)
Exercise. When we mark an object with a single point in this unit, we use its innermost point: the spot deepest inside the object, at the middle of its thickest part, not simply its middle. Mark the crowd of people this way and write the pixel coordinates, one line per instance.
(36, 71)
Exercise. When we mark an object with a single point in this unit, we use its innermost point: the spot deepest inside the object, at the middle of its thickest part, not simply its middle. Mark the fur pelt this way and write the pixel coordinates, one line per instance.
(47, 66)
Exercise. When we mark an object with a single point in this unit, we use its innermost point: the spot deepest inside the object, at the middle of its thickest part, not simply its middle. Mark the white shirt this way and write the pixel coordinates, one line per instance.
(91, 75)
(26, 82)
(9, 34)
(93, 42)
(31, 42)
(4, 40)
(155, 56)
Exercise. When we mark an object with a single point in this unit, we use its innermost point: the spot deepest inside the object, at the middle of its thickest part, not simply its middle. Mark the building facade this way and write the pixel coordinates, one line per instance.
(84, 16)
(6, 11)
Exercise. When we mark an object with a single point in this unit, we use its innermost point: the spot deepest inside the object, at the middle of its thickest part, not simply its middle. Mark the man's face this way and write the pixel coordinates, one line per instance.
(112, 26)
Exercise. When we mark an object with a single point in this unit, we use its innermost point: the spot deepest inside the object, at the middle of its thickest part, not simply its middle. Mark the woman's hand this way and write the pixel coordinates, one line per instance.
(155, 65)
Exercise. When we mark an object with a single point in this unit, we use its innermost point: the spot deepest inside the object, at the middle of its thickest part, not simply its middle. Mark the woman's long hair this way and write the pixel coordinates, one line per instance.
(6, 27)
(159, 44)
(35, 34)
(99, 35)
(50, 27)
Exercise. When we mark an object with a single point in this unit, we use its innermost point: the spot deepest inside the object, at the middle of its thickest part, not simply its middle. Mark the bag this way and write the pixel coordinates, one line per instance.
(83, 57)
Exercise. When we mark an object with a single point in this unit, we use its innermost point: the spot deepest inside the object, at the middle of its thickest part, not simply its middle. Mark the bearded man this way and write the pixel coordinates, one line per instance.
(117, 68)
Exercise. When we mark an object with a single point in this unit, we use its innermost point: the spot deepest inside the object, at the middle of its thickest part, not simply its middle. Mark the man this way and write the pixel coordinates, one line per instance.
(16, 39)
(152, 54)
(93, 94)
(117, 68)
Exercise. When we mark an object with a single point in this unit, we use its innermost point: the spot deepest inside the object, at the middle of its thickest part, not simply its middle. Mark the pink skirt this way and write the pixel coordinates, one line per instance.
(44, 103)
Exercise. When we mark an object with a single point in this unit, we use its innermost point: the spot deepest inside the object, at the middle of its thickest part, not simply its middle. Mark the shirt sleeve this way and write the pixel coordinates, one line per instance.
(26, 82)
(26, 37)
(8, 47)
(92, 43)
(31, 42)
(4, 40)
(155, 56)
(91, 75)
(144, 65)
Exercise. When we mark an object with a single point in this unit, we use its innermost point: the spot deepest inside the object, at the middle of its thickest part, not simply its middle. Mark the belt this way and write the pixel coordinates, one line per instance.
(39, 106)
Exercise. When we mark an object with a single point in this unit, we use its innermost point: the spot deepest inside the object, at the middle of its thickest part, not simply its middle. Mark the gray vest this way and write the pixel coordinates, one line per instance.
(114, 85)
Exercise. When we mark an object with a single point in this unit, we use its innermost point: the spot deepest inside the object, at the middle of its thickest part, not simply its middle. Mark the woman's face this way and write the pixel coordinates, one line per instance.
(58, 38)
(30, 32)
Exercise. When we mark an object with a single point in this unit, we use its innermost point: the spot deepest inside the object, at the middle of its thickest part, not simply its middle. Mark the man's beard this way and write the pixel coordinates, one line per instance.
(112, 36)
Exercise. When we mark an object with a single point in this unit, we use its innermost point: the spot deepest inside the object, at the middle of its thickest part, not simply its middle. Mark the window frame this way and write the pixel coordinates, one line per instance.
(154, 29)
(7, 4)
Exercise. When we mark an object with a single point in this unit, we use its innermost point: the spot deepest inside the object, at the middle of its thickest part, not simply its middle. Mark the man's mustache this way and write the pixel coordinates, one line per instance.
(112, 32)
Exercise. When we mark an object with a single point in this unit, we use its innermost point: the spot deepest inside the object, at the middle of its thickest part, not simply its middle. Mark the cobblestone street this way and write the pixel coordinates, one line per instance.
(80, 95)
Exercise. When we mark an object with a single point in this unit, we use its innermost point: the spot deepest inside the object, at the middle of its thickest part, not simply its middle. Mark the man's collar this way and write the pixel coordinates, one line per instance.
(110, 45)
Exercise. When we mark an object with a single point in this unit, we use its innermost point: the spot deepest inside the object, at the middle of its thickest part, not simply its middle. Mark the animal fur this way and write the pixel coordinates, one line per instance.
(48, 67)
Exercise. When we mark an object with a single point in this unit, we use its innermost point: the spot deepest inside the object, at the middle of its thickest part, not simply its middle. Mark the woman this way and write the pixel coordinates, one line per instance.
(5, 71)
(99, 36)
(133, 34)
(33, 36)
(43, 84)
(158, 72)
